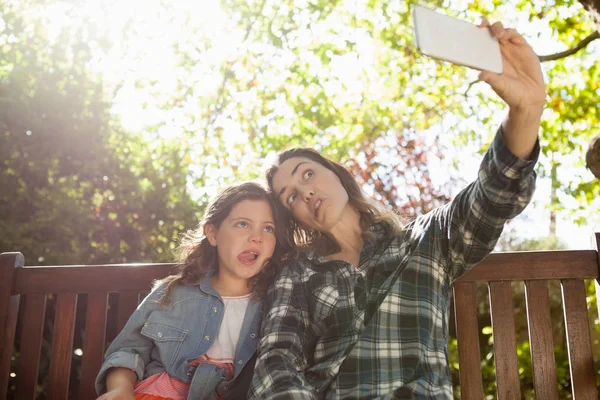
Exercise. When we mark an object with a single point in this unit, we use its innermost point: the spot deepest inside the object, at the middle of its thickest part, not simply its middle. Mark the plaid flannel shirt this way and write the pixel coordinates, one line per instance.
(333, 331)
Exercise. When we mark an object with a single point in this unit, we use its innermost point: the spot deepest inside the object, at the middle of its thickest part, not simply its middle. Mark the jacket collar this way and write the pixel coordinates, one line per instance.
(205, 284)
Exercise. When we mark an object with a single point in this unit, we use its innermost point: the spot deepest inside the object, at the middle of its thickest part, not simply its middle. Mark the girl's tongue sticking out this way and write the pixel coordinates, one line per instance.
(248, 257)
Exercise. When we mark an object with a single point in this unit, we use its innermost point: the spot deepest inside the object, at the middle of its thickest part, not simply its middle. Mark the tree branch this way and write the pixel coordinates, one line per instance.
(571, 51)
(470, 86)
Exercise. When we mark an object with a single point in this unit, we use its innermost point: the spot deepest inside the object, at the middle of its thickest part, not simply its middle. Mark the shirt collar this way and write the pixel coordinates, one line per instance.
(380, 232)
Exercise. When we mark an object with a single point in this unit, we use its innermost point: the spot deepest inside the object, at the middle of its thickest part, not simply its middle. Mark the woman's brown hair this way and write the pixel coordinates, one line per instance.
(197, 256)
(370, 211)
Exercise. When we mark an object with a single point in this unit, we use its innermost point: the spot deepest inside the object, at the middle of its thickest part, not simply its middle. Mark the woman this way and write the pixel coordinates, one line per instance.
(363, 313)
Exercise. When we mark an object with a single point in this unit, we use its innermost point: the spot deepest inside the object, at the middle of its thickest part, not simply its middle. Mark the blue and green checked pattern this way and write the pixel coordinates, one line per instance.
(381, 331)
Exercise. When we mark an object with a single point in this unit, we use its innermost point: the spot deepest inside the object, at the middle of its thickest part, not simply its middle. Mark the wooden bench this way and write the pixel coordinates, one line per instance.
(24, 292)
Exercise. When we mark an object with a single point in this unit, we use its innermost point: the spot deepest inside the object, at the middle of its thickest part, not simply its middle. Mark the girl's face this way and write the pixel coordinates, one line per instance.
(313, 193)
(245, 240)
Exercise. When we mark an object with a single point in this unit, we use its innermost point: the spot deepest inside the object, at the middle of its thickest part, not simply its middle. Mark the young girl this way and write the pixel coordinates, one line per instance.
(195, 335)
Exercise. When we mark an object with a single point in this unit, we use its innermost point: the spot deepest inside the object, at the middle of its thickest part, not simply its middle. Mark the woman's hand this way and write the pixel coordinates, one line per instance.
(521, 85)
(121, 393)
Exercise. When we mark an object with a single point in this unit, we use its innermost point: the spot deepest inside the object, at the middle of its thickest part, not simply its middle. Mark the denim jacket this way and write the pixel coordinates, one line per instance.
(167, 338)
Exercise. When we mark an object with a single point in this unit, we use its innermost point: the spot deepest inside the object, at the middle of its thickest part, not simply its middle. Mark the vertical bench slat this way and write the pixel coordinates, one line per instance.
(93, 344)
(581, 361)
(128, 302)
(9, 312)
(31, 345)
(539, 323)
(62, 346)
(467, 332)
(505, 346)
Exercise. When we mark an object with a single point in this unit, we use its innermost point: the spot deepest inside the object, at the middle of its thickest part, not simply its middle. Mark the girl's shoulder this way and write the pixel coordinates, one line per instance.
(177, 293)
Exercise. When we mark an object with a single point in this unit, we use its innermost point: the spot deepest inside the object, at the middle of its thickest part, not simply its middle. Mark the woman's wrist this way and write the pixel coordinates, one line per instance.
(520, 130)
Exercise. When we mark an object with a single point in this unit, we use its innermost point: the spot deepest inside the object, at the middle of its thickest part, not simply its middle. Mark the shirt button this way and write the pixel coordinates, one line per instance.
(253, 335)
(215, 309)
(189, 374)
(240, 362)
(159, 334)
(207, 338)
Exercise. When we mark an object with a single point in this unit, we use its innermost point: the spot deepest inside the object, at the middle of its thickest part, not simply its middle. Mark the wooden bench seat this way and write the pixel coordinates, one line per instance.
(25, 292)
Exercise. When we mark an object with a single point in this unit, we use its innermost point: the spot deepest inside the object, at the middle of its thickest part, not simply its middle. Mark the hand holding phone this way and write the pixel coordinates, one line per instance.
(450, 39)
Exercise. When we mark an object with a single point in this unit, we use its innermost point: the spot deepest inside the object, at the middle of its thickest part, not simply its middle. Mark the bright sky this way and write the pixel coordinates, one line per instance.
(149, 56)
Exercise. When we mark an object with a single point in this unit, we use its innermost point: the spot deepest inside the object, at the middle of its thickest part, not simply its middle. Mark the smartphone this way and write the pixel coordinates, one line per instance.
(450, 39)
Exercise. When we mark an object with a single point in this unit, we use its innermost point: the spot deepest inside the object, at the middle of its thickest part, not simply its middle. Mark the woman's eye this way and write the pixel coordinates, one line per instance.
(270, 229)
(242, 224)
(308, 174)
(291, 199)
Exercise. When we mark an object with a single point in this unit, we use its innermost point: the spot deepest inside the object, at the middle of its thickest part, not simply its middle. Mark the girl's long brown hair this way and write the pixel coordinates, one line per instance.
(197, 256)
(370, 211)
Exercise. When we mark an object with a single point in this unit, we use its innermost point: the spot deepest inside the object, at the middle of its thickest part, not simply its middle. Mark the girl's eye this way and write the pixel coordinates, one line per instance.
(308, 174)
(242, 224)
(291, 199)
(270, 229)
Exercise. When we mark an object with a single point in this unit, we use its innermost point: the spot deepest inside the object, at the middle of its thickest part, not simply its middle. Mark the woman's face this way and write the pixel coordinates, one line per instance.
(314, 194)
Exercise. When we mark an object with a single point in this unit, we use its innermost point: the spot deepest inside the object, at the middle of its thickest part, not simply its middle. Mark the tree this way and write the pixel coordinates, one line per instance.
(593, 6)
(76, 187)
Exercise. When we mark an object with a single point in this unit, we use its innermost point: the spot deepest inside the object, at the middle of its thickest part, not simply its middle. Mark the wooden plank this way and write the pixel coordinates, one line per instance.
(579, 344)
(539, 323)
(581, 264)
(596, 240)
(9, 311)
(128, 302)
(467, 332)
(546, 265)
(111, 319)
(93, 344)
(31, 346)
(87, 279)
(505, 346)
(62, 346)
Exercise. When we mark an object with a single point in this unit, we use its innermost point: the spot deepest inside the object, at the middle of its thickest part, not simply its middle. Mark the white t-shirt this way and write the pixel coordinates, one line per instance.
(223, 349)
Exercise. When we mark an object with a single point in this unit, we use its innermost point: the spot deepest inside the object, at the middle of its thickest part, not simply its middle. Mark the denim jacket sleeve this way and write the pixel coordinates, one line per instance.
(130, 349)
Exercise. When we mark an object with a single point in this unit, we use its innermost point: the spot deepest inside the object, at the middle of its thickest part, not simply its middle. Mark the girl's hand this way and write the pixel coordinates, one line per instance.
(521, 85)
(119, 384)
(118, 394)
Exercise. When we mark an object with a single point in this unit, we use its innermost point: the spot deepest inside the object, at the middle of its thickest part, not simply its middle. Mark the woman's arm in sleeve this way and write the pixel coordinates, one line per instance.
(281, 361)
(466, 230)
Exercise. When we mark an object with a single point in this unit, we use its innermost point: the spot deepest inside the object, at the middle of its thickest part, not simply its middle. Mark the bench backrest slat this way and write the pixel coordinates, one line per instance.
(541, 343)
(467, 332)
(540, 265)
(9, 311)
(99, 278)
(93, 343)
(32, 333)
(581, 361)
(505, 343)
(128, 302)
(62, 346)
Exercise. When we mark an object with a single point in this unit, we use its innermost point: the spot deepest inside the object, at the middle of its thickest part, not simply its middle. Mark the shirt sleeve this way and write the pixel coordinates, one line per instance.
(130, 349)
(467, 229)
(281, 364)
